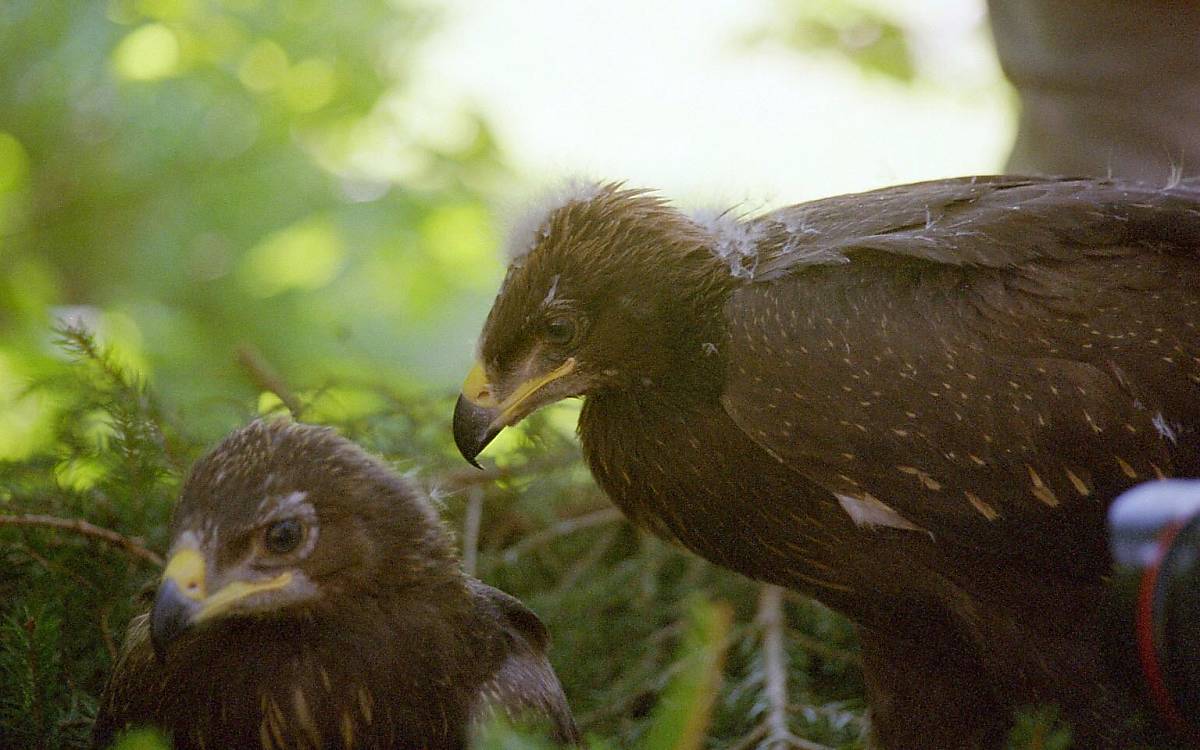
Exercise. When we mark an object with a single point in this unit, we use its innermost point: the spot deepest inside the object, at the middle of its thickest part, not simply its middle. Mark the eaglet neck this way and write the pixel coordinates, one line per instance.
(671, 458)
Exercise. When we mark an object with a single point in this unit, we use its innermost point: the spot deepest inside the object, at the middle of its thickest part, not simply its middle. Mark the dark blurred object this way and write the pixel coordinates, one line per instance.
(1155, 538)
(1107, 87)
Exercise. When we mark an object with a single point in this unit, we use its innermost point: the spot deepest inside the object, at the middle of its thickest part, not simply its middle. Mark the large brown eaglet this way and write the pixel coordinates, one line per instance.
(912, 404)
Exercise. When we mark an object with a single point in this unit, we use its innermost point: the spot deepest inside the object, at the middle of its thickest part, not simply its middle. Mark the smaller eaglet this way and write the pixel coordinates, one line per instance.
(312, 599)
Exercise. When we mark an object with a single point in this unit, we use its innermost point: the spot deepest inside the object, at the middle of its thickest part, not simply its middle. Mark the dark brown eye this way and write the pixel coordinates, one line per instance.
(283, 536)
(560, 330)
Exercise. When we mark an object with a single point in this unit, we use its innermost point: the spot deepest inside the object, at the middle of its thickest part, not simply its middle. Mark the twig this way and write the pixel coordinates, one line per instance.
(54, 567)
(816, 646)
(260, 372)
(461, 479)
(80, 526)
(471, 524)
(562, 528)
(585, 563)
(749, 740)
(770, 619)
(775, 666)
(830, 712)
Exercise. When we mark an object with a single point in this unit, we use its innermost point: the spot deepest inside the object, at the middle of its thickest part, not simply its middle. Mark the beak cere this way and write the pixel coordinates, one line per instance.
(172, 615)
(479, 415)
(178, 600)
(183, 601)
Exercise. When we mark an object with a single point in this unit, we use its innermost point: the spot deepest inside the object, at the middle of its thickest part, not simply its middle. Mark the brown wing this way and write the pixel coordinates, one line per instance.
(996, 221)
(524, 688)
(995, 404)
(123, 702)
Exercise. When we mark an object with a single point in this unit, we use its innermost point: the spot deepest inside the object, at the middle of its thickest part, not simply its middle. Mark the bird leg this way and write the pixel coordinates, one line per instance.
(929, 694)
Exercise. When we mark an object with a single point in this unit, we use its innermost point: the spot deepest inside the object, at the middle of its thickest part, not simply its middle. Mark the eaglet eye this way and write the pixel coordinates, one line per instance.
(560, 330)
(283, 536)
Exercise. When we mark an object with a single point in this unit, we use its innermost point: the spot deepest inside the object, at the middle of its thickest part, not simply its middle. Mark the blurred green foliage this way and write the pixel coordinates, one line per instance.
(187, 176)
(873, 40)
(142, 739)
(1040, 729)
(682, 715)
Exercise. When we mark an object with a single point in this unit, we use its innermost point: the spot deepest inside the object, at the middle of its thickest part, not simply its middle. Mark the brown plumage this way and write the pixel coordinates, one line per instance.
(313, 600)
(913, 404)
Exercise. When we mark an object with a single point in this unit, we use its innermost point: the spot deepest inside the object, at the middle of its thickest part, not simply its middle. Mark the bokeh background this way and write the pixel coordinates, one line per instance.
(216, 209)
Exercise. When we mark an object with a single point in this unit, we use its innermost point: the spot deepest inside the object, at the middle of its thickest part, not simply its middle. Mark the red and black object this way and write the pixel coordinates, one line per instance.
(1155, 540)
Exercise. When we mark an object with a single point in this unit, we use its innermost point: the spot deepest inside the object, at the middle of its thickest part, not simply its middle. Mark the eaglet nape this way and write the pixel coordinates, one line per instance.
(313, 600)
(913, 404)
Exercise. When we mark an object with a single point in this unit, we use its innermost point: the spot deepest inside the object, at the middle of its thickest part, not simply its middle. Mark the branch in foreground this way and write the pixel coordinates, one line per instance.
(82, 527)
(775, 666)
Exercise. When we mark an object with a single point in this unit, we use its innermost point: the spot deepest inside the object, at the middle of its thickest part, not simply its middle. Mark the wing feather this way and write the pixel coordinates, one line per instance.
(984, 389)
(996, 222)
(524, 687)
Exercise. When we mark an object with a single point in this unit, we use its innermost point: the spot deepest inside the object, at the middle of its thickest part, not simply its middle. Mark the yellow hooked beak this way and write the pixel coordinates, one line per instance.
(479, 415)
(182, 600)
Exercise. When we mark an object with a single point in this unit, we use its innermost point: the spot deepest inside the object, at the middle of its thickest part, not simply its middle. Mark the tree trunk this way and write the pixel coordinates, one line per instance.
(1107, 87)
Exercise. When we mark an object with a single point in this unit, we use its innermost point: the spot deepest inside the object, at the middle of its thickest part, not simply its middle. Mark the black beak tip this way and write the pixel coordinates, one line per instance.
(473, 429)
(170, 617)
